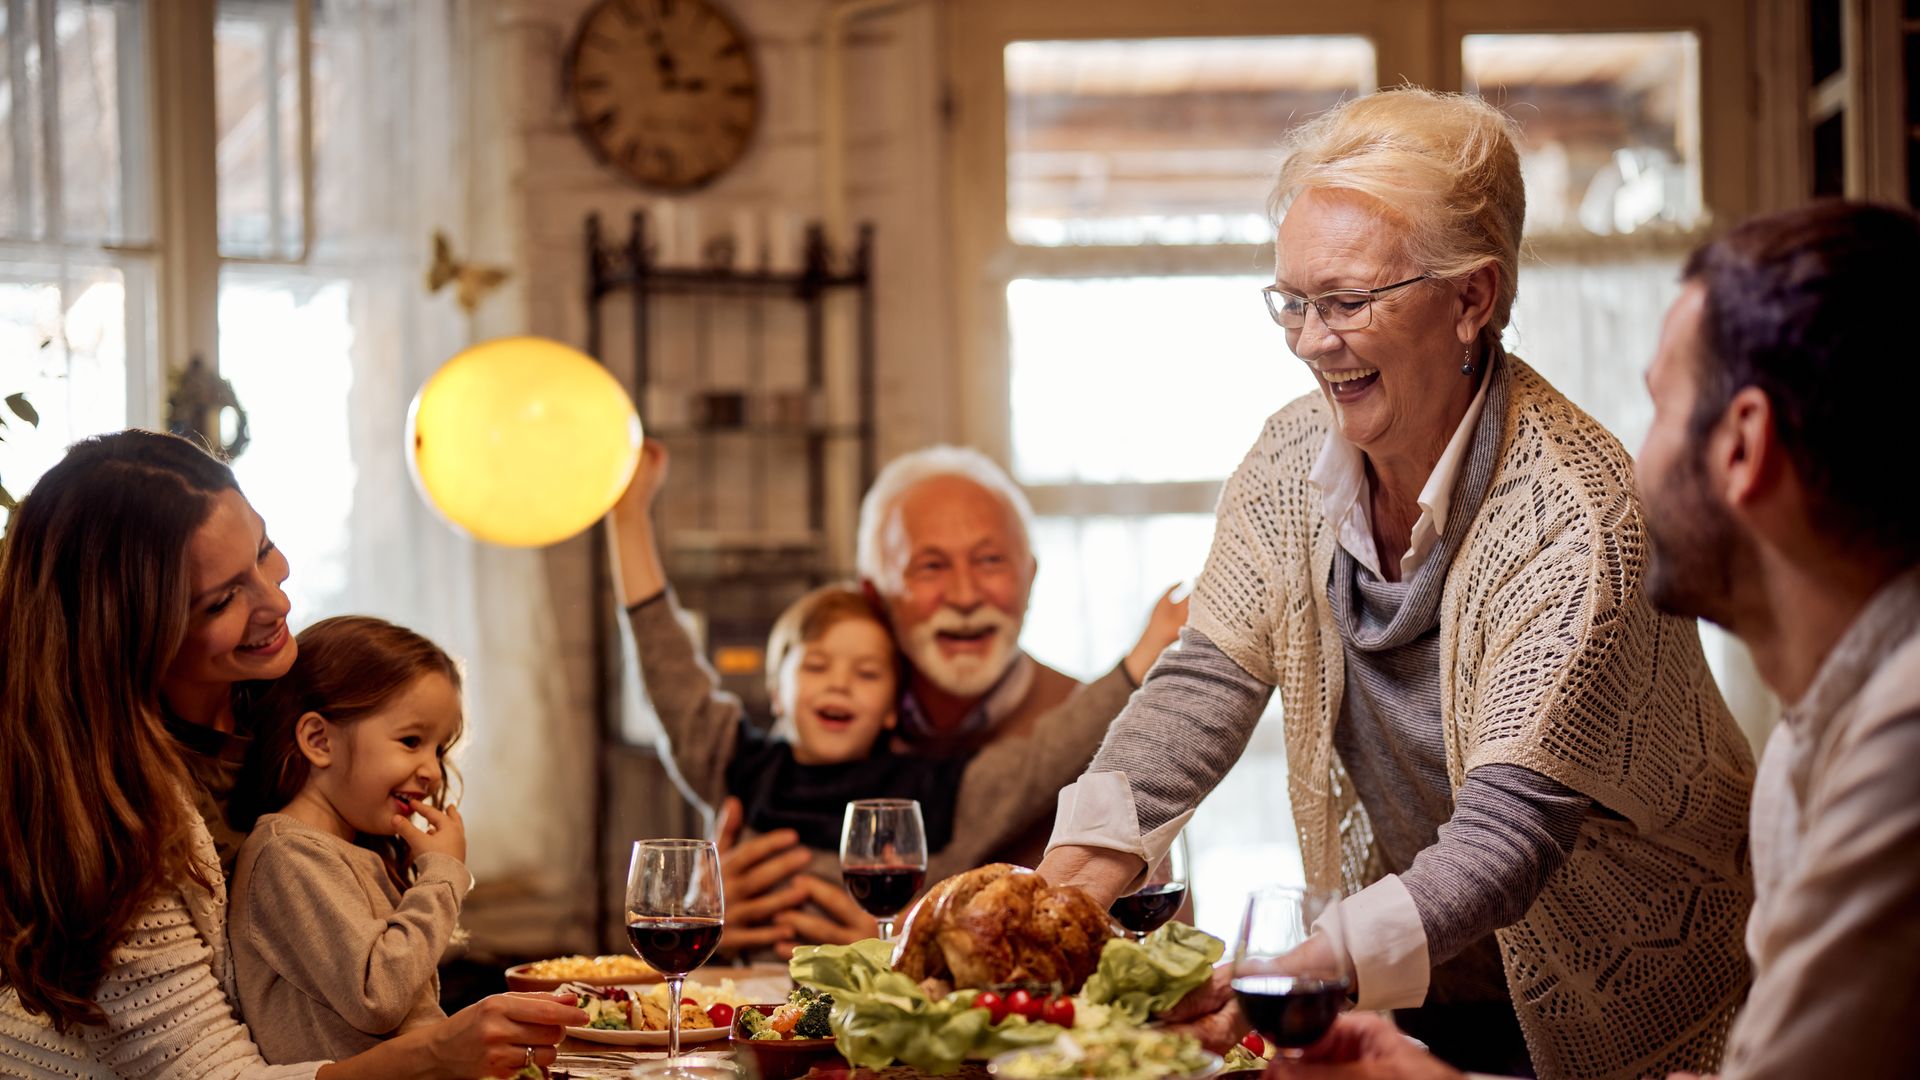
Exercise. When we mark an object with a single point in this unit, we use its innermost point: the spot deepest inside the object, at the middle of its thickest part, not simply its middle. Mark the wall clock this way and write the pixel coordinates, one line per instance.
(664, 90)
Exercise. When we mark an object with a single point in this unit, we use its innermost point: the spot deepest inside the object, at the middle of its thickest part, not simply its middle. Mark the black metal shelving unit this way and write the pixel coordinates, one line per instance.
(739, 582)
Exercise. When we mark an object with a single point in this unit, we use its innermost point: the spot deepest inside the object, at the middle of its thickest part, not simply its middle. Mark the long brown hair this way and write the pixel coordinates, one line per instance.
(94, 598)
(347, 668)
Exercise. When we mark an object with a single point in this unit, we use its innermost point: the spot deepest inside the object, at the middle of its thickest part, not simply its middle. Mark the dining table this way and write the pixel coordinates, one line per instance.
(585, 1059)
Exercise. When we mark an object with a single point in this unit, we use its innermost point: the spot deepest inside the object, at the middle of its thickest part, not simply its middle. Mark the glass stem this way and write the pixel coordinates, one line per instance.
(886, 929)
(673, 1018)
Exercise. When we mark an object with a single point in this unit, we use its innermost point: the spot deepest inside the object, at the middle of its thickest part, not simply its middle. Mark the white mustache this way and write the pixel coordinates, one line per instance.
(950, 620)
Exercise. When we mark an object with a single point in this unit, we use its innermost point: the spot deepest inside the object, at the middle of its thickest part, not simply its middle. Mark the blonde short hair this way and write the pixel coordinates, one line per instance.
(876, 554)
(1443, 165)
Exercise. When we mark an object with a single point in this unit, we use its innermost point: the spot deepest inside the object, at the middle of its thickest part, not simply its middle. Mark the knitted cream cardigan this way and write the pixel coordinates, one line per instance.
(1630, 962)
(168, 1015)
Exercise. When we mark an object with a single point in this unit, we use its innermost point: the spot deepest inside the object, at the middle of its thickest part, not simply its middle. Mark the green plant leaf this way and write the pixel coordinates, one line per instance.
(18, 403)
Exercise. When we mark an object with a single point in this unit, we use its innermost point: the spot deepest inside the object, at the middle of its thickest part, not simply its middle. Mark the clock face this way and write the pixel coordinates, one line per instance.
(664, 90)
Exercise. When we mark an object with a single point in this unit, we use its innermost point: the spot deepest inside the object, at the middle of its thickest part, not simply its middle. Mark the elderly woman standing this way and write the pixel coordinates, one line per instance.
(1524, 778)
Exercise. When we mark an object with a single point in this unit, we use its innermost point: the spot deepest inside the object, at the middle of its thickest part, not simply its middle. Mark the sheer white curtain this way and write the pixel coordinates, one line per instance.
(76, 263)
(328, 356)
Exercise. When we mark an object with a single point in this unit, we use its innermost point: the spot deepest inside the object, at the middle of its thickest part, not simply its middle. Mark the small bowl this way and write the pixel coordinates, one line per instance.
(784, 1059)
(520, 982)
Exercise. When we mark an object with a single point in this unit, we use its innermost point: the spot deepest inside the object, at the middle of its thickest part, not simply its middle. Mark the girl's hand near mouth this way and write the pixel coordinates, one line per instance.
(445, 832)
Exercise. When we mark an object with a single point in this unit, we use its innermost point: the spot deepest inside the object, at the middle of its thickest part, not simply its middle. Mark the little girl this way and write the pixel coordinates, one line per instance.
(341, 906)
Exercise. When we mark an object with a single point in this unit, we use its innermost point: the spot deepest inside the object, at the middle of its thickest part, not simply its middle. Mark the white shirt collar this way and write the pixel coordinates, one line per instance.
(1341, 475)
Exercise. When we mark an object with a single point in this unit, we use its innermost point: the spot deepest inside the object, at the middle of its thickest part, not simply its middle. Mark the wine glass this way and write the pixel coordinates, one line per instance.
(883, 856)
(1290, 965)
(1148, 908)
(675, 913)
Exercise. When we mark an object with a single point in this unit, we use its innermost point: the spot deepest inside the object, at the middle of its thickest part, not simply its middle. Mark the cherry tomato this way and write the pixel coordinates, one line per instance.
(1058, 1010)
(721, 1014)
(1255, 1044)
(995, 1005)
(1024, 1004)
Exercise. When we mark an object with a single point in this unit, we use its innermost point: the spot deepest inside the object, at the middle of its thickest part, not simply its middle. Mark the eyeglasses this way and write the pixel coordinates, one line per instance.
(1340, 309)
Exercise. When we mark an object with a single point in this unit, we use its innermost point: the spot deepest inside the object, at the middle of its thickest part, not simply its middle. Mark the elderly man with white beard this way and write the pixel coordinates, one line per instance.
(946, 557)
(945, 552)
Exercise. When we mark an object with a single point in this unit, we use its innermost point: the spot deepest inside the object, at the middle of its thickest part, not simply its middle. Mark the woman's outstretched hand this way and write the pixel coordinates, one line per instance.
(491, 1037)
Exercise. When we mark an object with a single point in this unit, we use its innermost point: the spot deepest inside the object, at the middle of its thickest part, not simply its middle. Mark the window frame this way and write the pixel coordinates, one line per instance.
(1418, 41)
(185, 140)
(988, 260)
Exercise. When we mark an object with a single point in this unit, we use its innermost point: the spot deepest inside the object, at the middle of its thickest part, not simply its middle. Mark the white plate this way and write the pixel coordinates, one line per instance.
(646, 1038)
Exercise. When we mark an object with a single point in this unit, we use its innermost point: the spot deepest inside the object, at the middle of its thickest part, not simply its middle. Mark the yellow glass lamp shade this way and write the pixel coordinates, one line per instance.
(522, 441)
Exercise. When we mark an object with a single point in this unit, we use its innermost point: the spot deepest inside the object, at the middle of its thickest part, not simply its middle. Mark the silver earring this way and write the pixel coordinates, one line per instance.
(1467, 368)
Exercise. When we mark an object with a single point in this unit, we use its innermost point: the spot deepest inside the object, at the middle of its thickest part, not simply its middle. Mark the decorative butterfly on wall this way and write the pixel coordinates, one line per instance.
(471, 283)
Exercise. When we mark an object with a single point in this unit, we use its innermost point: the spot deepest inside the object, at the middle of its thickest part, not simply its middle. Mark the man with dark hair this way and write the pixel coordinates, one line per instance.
(1784, 394)
(1774, 491)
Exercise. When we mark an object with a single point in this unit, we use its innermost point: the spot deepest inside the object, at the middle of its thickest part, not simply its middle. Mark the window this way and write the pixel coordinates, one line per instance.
(1137, 173)
(79, 247)
(264, 148)
(1609, 125)
(1102, 280)
(286, 302)
(1611, 149)
(1164, 141)
(76, 244)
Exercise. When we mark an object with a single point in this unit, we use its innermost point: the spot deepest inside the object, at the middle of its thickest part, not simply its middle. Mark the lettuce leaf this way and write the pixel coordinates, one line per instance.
(1240, 1059)
(1141, 978)
(880, 1016)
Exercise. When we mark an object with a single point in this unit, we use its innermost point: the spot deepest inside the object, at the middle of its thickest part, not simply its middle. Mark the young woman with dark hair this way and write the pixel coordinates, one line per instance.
(137, 585)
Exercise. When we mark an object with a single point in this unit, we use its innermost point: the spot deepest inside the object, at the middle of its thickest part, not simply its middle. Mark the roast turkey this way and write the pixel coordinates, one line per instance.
(1002, 924)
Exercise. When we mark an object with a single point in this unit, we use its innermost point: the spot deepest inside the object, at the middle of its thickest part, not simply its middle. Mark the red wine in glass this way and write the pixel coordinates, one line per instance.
(1160, 895)
(883, 856)
(1289, 1010)
(1149, 909)
(1290, 966)
(883, 891)
(676, 910)
(674, 946)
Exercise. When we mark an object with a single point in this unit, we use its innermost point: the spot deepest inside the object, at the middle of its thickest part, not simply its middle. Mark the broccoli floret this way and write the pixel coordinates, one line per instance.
(813, 1023)
(754, 1023)
(802, 995)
